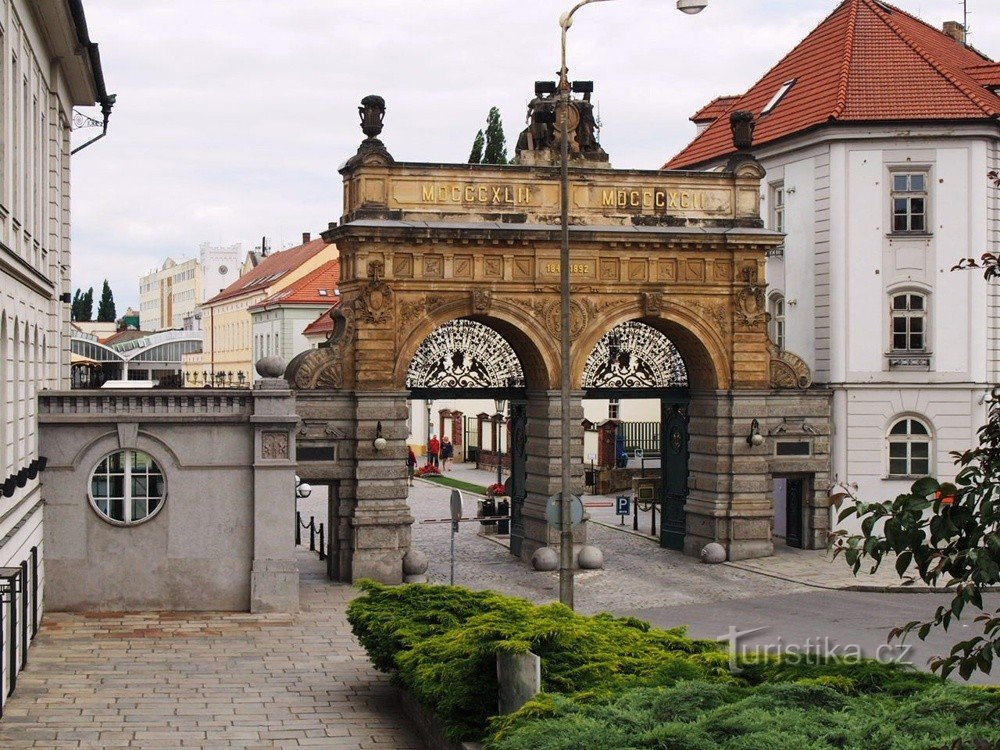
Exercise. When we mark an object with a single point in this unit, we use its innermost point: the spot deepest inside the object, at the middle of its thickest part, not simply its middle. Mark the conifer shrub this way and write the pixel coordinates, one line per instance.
(612, 682)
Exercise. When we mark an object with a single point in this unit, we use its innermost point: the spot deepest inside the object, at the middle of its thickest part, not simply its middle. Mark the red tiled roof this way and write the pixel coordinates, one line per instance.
(323, 324)
(269, 270)
(715, 109)
(118, 337)
(315, 288)
(867, 61)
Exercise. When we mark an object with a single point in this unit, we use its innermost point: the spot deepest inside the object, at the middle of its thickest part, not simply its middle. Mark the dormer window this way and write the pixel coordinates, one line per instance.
(776, 99)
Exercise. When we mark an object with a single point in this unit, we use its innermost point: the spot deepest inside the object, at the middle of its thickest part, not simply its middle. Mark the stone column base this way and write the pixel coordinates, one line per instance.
(274, 586)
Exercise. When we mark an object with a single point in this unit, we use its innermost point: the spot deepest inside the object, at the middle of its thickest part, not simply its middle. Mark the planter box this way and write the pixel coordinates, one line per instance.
(428, 726)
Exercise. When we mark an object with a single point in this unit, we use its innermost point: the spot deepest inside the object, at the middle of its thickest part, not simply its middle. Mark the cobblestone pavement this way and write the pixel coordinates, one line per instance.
(179, 680)
(637, 574)
(814, 568)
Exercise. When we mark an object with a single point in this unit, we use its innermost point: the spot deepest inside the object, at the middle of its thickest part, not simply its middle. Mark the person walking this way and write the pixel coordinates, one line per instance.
(433, 450)
(411, 465)
(447, 452)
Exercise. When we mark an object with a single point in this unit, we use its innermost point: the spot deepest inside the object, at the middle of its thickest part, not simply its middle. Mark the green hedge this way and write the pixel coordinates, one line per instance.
(776, 716)
(609, 680)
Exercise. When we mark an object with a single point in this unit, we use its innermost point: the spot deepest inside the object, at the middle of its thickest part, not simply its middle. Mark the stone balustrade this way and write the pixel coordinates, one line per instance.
(182, 405)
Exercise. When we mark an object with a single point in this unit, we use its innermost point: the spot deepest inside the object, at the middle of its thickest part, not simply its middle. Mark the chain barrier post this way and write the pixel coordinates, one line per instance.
(312, 533)
(298, 528)
(322, 542)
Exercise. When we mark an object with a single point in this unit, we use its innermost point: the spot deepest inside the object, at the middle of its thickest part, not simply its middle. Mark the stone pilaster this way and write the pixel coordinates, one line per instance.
(274, 578)
(380, 524)
(544, 467)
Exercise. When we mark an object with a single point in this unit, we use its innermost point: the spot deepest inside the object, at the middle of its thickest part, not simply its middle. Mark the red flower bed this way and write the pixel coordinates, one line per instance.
(428, 469)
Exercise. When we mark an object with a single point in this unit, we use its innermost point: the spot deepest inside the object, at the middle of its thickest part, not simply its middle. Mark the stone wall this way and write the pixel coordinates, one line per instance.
(223, 538)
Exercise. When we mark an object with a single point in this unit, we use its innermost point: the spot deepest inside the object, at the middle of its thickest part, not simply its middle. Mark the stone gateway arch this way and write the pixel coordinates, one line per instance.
(423, 245)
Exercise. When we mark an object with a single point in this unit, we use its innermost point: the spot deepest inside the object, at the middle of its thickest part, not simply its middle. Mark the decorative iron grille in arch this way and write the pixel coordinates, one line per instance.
(465, 354)
(635, 355)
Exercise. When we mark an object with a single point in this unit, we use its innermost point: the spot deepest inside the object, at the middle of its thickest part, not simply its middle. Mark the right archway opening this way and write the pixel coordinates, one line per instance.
(637, 424)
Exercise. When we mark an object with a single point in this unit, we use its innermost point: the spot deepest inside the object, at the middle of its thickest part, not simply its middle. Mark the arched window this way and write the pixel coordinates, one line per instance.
(776, 305)
(127, 487)
(909, 448)
(908, 322)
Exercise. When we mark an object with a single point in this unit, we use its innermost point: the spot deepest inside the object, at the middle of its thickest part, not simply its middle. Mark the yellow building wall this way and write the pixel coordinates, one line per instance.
(228, 327)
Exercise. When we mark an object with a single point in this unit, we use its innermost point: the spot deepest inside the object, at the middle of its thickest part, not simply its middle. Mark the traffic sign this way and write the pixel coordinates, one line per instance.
(623, 505)
(456, 506)
(552, 511)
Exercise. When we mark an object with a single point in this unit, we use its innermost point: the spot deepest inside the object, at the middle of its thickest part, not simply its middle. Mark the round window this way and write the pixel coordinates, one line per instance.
(223, 270)
(127, 487)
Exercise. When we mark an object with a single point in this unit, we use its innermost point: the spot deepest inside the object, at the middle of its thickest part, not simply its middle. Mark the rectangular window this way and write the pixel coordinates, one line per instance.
(778, 207)
(614, 408)
(908, 323)
(909, 202)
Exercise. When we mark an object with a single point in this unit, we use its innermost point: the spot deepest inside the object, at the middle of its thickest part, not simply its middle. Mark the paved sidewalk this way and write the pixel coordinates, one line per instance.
(206, 680)
(814, 568)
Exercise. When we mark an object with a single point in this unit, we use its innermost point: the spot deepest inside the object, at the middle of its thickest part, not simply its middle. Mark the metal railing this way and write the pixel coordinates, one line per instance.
(315, 530)
(642, 435)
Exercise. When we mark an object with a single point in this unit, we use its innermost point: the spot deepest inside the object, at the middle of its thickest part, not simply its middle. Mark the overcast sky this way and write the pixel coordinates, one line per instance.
(233, 115)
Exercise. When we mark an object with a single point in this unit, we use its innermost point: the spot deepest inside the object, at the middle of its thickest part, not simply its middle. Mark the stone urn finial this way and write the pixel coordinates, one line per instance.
(372, 151)
(372, 112)
(743, 125)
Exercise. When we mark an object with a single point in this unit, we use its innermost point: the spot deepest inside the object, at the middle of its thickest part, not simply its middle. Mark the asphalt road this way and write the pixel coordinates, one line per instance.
(833, 622)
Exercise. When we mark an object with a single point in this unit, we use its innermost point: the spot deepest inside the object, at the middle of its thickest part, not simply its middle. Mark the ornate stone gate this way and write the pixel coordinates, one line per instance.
(425, 244)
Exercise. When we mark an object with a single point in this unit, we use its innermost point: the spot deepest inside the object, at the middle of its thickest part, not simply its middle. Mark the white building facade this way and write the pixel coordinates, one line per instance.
(48, 65)
(880, 196)
(174, 291)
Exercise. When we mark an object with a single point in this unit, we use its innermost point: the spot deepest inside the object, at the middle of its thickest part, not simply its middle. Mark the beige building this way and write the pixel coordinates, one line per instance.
(169, 293)
(174, 291)
(226, 319)
(49, 67)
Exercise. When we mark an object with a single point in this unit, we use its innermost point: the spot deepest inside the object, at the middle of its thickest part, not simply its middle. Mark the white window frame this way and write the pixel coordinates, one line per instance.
(909, 314)
(614, 408)
(776, 326)
(777, 204)
(127, 485)
(909, 194)
(908, 440)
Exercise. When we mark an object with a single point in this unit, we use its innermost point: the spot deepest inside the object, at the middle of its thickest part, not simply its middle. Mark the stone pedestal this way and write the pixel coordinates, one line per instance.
(274, 577)
(544, 467)
(380, 524)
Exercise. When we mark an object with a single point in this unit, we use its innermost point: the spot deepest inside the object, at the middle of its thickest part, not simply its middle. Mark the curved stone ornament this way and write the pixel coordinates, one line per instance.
(319, 369)
(344, 326)
(788, 370)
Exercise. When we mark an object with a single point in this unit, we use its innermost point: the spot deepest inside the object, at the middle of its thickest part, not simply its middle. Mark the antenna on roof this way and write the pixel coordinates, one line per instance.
(965, 20)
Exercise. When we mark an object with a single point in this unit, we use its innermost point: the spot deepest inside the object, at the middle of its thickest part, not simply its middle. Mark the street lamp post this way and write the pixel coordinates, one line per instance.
(565, 496)
(501, 406)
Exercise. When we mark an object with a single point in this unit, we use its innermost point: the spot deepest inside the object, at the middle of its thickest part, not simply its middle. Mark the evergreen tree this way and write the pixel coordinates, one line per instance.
(74, 311)
(496, 143)
(106, 307)
(86, 313)
(476, 157)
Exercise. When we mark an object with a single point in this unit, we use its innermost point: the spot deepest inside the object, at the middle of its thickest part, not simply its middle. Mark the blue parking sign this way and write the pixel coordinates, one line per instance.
(623, 505)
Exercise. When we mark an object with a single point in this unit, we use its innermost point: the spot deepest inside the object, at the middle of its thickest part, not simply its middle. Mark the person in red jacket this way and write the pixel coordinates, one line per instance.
(433, 449)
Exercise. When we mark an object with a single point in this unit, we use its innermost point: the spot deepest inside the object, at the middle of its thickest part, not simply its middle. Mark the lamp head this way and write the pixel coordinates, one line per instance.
(691, 6)
(303, 490)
